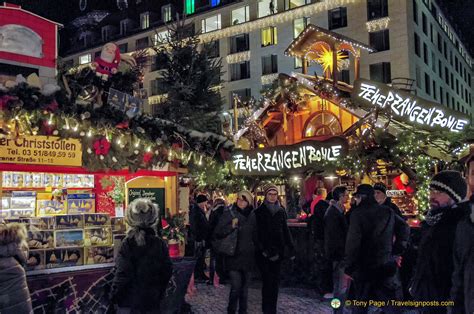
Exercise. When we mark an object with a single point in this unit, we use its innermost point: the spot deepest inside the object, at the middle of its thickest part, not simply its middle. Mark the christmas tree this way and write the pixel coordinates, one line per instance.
(191, 78)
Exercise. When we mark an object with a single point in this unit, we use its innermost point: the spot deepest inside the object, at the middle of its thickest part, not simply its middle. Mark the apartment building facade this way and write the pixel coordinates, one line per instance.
(412, 38)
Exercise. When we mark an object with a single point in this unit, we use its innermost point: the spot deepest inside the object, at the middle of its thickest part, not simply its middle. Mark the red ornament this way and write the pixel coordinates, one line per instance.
(122, 125)
(101, 146)
(53, 106)
(176, 146)
(47, 128)
(4, 101)
(147, 157)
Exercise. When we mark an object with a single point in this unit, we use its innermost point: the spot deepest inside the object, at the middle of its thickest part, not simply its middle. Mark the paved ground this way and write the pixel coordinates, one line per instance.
(210, 299)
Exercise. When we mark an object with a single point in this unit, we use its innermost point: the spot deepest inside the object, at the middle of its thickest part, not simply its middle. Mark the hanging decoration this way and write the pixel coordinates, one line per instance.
(82, 5)
(122, 4)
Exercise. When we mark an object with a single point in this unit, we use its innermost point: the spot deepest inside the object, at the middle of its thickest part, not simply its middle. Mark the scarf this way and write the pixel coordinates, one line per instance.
(272, 207)
(435, 215)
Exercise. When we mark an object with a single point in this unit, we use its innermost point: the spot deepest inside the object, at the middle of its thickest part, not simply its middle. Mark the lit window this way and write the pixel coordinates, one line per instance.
(299, 25)
(145, 20)
(269, 36)
(212, 23)
(84, 59)
(161, 37)
(291, 4)
(166, 13)
(189, 7)
(215, 3)
(240, 15)
(266, 7)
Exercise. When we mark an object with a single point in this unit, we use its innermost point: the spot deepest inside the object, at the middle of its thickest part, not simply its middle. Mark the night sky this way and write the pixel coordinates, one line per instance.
(461, 12)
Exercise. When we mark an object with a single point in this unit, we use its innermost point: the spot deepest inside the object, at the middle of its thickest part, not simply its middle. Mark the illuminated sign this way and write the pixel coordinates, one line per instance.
(279, 159)
(41, 150)
(409, 108)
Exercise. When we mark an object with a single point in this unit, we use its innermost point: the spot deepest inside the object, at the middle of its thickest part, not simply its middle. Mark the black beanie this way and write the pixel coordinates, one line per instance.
(379, 186)
(201, 198)
(452, 183)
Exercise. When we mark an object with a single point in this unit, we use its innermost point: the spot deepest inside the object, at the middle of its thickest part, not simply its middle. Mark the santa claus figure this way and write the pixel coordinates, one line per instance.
(108, 62)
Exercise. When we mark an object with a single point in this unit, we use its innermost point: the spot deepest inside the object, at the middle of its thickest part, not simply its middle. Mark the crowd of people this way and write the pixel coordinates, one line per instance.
(358, 250)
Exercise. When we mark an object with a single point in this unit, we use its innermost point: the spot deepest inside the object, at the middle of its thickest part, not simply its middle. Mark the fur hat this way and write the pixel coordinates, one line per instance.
(246, 195)
(268, 187)
(201, 198)
(452, 183)
(141, 213)
(379, 186)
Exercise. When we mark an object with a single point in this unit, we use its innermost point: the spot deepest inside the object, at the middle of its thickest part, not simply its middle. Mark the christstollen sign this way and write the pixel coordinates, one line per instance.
(408, 108)
(289, 158)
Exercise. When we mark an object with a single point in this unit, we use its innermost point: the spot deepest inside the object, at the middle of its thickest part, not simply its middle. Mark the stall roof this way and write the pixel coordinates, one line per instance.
(312, 34)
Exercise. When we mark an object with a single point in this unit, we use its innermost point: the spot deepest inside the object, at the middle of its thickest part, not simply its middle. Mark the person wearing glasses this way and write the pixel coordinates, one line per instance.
(435, 266)
(273, 244)
(239, 216)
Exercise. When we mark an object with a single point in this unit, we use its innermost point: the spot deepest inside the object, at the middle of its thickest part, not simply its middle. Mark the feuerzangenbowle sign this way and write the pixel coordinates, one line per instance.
(409, 108)
(280, 159)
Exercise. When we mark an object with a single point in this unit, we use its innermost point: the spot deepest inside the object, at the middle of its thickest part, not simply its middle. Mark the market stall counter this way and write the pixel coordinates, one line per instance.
(86, 288)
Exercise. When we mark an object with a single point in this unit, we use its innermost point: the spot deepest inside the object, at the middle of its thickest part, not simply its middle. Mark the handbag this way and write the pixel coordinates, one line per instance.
(227, 245)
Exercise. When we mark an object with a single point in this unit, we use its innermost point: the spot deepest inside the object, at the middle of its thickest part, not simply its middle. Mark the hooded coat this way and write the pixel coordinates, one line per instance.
(198, 224)
(14, 293)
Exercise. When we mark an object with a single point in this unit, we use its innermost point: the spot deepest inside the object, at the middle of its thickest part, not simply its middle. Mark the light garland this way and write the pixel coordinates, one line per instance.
(238, 57)
(378, 24)
(269, 78)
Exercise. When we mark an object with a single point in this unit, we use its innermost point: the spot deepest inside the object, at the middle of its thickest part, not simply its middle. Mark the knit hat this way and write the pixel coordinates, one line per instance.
(379, 186)
(364, 189)
(268, 187)
(246, 195)
(201, 198)
(452, 183)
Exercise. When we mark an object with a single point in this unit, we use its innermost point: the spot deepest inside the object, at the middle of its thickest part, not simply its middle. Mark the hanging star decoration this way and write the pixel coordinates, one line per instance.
(325, 59)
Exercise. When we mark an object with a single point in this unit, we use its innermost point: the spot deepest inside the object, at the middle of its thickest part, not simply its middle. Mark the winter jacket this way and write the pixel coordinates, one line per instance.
(273, 236)
(245, 251)
(142, 272)
(316, 221)
(335, 230)
(214, 217)
(198, 223)
(14, 293)
(434, 267)
(388, 202)
(370, 246)
(462, 291)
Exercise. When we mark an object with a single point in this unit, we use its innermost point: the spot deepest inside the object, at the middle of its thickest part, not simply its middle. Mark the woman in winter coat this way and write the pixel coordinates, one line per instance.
(241, 217)
(14, 294)
(143, 265)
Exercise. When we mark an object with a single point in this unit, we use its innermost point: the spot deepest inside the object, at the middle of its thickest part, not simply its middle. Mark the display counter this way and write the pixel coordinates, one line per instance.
(86, 288)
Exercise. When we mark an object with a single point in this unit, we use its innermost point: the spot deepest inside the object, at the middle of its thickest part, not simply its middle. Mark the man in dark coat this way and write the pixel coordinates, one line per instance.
(434, 267)
(462, 291)
(272, 240)
(217, 260)
(199, 227)
(143, 265)
(335, 230)
(371, 250)
(380, 192)
(239, 216)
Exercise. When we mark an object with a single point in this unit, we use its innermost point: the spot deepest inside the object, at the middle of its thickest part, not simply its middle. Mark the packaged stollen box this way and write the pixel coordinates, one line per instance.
(51, 207)
(96, 220)
(118, 225)
(69, 222)
(98, 236)
(80, 202)
(68, 238)
(39, 223)
(64, 257)
(22, 204)
(35, 260)
(40, 239)
(99, 255)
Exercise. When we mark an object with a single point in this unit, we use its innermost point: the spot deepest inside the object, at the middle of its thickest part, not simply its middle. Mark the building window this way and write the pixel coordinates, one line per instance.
(142, 43)
(380, 40)
(418, 77)
(212, 23)
(447, 99)
(213, 49)
(434, 89)
(452, 81)
(441, 95)
(440, 69)
(243, 94)
(123, 48)
(440, 43)
(269, 64)
(291, 4)
(239, 43)
(427, 84)
(446, 76)
(166, 13)
(424, 23)
(337, 18)
(431, 33)
(189, 6)
(215, 3)
(433, 62)
(344, 76)
(457, 86)
(145, 20)
(239, 71)
(123, 27)
(105, 33)
(415, 12)
(240, 15)
(266, 7)
(161, 37)
(469, 79)
(380, 72)
(298, 62)
(445, 50)
(157, 87)
(84, 59)
(299, 25)
(425, 53)
(377, 9)
(456, 63)
(417, 45)
(269, 36)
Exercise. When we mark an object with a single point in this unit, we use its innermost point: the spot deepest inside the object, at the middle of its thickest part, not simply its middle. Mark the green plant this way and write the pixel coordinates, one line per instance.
(175, 228)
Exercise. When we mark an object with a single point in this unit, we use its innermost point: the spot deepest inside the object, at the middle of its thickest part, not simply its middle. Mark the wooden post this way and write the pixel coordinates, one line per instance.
(305, 66)
(334, 65)
(357, 68)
